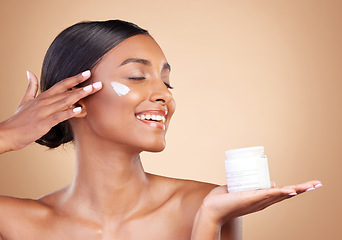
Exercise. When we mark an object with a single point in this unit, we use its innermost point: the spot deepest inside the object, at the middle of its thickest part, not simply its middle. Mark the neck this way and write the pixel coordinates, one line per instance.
(109, 182)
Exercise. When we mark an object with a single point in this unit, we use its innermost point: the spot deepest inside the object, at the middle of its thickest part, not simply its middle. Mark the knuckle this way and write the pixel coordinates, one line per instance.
(40, 115)
(63, 82)
(82, 93)
(71, 97)
(71, 81)
(78, 94)
(77, 79)
(61, 116)
(55, 117)
(64, 102)
(39, 102)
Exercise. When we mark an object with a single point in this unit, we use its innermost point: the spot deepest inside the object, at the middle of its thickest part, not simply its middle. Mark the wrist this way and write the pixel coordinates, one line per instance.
(205, 226)
(4, 146)
(209, 215)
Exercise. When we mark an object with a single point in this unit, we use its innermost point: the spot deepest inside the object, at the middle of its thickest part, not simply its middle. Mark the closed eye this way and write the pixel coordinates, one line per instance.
(143, 78)
(137, 78)
(168, 85)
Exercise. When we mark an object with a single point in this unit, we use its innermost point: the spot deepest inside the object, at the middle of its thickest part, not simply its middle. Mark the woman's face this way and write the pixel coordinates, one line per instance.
(135, 77)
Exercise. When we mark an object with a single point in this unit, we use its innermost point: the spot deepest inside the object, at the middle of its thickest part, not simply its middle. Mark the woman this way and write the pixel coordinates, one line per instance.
(114, 103)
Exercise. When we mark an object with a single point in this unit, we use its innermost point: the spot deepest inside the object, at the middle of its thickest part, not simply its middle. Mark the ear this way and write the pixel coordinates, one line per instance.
(81, 104)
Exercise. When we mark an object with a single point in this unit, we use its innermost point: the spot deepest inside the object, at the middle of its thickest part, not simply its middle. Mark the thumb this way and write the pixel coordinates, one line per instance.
(31, 90)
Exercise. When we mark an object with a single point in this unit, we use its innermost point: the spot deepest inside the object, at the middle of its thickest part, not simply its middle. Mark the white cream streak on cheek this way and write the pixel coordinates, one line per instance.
(120, 88)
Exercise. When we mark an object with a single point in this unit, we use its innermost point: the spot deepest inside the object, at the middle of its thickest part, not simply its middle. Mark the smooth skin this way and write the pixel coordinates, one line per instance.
(111, 196)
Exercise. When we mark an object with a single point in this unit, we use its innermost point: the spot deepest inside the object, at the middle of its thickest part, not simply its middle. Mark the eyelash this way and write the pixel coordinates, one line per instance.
(137, 78)
(142, 78)
(168, 85)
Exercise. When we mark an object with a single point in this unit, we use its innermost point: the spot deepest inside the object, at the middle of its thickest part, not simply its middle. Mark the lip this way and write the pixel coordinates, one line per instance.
(156, 112)
(154, 124)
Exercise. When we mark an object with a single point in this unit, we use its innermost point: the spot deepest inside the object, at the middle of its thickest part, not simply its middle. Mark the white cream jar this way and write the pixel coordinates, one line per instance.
(247, 169)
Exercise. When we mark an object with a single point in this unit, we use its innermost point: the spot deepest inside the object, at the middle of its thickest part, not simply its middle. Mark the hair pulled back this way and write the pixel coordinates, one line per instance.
(76, 49)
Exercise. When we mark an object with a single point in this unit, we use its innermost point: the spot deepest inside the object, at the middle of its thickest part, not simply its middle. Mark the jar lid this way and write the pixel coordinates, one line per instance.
(245, 152)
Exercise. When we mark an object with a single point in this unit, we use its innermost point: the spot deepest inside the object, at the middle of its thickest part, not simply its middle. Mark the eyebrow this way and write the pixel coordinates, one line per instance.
(143, 61)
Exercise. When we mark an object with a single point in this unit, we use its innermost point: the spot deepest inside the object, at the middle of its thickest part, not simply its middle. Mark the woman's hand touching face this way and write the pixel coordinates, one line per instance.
(36, 115)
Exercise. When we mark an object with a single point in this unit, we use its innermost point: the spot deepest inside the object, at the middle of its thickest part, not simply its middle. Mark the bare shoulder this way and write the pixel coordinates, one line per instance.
(17, 212)
(189, 193)
(12, 205)
(176, 203)
(194, 190)
(189, 196)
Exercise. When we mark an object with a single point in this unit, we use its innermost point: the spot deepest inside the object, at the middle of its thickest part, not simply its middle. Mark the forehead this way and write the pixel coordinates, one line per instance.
(138, 46)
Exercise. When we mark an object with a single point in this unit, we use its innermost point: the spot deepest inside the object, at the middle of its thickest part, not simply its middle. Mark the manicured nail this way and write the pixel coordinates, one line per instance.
(86, 73)
(88, 88)
(310, 189)
(77, 110)
(293, 194)
(97, 85)
(318, 186)
(28, 76)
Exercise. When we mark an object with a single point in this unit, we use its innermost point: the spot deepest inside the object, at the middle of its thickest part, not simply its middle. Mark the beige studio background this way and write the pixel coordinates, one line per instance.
(245, 73)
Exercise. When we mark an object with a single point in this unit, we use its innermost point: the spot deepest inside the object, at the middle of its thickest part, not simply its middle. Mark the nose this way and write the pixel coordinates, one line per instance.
(160, 93)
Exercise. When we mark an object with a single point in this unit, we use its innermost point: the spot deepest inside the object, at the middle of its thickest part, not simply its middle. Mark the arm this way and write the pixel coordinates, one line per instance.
(220, 209)
(36, 115)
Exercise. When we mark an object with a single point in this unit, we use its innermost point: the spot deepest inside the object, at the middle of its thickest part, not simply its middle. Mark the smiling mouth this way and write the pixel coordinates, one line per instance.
(153, 118)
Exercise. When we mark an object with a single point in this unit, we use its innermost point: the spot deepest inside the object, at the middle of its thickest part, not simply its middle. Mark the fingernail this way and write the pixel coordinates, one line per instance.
(28, 76)
(318, 186)
(293, 194)
(310, 189)
(97, 85)
(88, 88)
(77, 110)
(86, 73)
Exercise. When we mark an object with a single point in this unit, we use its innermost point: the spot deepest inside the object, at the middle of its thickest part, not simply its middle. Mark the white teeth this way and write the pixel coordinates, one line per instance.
(153, 117)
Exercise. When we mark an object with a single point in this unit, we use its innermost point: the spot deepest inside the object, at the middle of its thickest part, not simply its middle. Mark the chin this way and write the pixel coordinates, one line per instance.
(156, 147)
(155, 150)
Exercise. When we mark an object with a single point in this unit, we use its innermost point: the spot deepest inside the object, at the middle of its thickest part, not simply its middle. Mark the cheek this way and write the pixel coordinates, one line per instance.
(125, 97)
(120, 89)
(113, 107)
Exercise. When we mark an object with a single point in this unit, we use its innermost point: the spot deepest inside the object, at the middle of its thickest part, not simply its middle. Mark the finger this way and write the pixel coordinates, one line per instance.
(61, 116)
(255, 200)
(66, 100)
(269, 202)
(31, 90)
(68, 83)
(305, 187)
(71, 96)
(268, 196)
